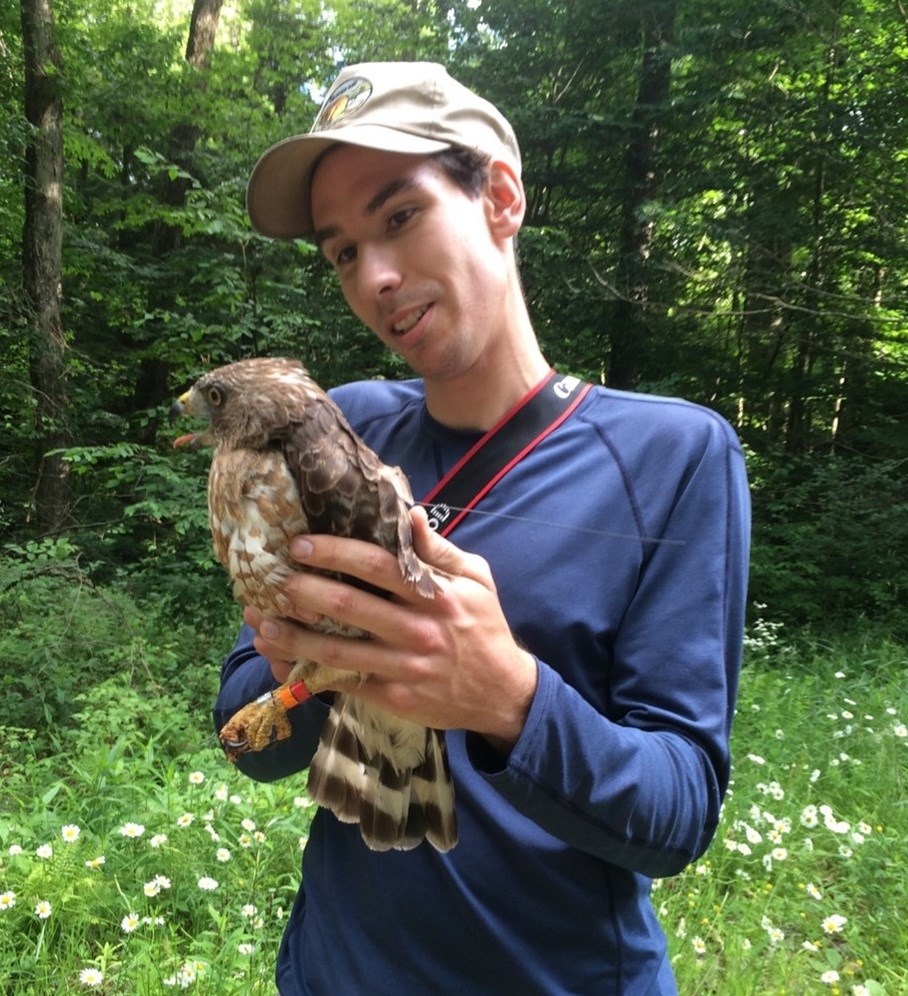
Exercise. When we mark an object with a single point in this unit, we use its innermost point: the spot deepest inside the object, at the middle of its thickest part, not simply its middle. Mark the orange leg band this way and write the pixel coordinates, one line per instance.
(290, 696)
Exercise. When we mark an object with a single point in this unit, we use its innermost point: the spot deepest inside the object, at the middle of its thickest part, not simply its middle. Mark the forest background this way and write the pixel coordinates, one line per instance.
(718, 209)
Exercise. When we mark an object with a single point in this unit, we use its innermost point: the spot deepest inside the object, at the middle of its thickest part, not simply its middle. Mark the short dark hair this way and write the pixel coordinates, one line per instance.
(467, 168)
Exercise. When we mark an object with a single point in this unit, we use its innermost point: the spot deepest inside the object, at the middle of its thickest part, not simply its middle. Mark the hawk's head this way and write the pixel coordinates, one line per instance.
(247, 403)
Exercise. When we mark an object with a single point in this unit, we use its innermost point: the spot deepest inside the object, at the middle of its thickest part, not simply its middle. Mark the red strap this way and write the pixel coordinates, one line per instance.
(518, 432)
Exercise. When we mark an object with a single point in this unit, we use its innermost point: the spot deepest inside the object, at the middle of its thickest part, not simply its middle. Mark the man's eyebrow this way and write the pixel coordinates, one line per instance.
(321, 235)
(388, 191)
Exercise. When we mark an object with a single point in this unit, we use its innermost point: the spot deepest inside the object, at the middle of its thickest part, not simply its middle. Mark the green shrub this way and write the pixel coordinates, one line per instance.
(136, 872)
(829, 543)
(62, 635)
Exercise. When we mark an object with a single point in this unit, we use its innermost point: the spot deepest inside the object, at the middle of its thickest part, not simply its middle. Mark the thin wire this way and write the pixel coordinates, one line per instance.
(556, 525)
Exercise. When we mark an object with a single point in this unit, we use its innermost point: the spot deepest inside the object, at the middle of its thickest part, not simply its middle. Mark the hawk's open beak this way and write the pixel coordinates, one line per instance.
(191, 440)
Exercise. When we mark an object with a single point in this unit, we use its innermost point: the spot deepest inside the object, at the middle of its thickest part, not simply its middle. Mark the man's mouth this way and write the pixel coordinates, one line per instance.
(409, 320)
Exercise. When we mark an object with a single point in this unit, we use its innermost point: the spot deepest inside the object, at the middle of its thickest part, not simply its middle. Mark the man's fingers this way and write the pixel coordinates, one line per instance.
(282, 641)
(443, 555)
(281, 664)
(365, 611)
(357, 558)
(379, 567)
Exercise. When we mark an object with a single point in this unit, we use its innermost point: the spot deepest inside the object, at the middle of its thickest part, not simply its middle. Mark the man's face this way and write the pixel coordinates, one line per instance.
(417, 259)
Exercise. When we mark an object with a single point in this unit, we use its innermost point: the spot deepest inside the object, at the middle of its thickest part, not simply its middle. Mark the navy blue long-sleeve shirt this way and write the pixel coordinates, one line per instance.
(620, 558)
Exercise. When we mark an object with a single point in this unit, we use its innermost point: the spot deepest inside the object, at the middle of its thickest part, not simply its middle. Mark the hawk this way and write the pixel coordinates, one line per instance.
(286, 462)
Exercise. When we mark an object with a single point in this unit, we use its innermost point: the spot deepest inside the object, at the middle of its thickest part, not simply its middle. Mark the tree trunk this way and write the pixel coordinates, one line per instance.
(152, 385)
(800, 416)
(202, 29)
(764, 322)
(628, 335)
(42, 242)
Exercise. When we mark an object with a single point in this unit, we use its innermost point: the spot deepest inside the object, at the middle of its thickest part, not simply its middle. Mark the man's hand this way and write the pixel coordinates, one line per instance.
(448, 662)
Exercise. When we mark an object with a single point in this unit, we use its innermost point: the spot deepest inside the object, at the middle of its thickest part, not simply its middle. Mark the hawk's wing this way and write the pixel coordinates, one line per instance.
(346, 490)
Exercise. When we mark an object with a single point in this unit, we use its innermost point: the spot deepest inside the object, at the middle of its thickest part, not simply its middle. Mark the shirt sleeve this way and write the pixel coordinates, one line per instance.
(639, 780)
(245, 676)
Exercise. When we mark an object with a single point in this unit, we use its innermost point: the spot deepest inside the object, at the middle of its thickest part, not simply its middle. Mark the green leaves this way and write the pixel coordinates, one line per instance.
(829, 542)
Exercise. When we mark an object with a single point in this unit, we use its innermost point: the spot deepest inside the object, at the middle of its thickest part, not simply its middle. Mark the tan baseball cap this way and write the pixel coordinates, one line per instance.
(409, 107)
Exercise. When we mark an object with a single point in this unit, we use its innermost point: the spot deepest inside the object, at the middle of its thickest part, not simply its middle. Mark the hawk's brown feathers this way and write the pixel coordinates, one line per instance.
(287, 462)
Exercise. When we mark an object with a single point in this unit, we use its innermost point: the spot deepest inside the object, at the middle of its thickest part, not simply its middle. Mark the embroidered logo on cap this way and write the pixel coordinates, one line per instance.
(342, 101)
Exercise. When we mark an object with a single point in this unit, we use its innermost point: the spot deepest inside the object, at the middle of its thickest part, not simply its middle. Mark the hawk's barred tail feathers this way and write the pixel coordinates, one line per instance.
(396, 806)
(432, 797)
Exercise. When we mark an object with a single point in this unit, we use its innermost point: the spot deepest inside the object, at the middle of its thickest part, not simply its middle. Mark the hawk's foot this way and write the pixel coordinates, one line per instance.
(257, 726)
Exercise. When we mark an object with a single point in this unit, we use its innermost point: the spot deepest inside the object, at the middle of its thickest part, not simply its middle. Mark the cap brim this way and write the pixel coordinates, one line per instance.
(277, 197)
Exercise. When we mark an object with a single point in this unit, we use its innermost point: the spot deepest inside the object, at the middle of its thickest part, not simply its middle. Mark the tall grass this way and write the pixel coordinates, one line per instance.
(136, 872)
(137, 862)
(804, 889)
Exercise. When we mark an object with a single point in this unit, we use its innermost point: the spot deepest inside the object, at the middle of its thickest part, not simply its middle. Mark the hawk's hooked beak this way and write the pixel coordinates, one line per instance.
(191, 440)
(180, 407)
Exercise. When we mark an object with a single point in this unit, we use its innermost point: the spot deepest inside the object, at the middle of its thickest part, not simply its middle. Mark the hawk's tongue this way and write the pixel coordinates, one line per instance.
(189, 439)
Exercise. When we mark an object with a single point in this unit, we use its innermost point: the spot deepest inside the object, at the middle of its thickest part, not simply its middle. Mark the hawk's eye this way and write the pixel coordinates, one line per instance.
(215, 397)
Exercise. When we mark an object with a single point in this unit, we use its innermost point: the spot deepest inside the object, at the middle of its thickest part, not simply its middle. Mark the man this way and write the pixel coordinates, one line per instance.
(583, 653)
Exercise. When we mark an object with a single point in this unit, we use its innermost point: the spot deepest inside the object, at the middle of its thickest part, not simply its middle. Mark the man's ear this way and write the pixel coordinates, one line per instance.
(505, 199)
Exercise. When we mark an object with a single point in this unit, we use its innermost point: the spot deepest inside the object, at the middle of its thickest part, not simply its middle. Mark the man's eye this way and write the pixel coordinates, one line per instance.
(400, 218)
(345, 255)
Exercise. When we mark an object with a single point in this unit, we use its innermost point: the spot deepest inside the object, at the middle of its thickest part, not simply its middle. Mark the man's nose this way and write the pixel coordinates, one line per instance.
(379, 270)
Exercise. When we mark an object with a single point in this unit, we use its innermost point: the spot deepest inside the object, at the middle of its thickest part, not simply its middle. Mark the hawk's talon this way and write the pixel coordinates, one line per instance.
(256, 726)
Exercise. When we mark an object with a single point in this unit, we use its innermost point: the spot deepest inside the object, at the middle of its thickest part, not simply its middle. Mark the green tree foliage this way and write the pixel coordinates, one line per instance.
(758, 266)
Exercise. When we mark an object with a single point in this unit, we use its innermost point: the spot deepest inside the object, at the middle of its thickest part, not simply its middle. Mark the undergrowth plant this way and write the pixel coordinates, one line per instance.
(138, 873)
(803, 889)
